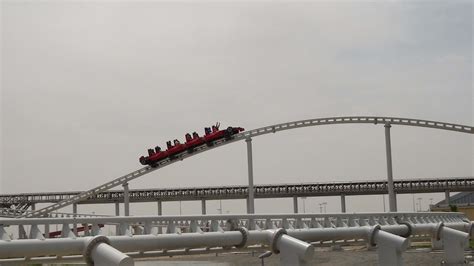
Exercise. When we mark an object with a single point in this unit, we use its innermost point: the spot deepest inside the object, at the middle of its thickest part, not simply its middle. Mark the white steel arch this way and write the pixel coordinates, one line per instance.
(247, 135)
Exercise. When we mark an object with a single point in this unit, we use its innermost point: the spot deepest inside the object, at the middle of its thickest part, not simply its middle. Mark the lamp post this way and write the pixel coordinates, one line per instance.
(304, 206)
(419, 204)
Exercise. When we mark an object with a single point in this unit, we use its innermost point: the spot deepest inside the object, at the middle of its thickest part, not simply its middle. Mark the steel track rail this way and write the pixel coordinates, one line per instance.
(253, 133)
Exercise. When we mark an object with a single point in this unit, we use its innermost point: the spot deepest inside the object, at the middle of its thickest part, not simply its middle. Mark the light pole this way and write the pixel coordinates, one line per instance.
(324, 204)
(179, 208)
(304, 206)
(413, 199)
(320, 208)
(419, 204)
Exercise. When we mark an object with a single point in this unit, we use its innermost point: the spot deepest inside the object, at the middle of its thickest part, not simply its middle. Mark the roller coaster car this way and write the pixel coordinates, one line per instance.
(156, 155)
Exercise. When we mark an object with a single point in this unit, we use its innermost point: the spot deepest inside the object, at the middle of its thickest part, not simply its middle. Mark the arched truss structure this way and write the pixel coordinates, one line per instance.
(253, 133)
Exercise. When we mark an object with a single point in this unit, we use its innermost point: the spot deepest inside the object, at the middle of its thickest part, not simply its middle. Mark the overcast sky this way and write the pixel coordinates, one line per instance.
(88, 87)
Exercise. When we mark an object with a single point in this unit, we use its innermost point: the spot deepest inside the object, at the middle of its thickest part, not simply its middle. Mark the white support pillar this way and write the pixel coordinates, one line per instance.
(295, 204)
(391, 192)
(117, 208)
(446, 197)
(160, 207)
(126, 199)
(203, 206)
(343, 203)
(46, 230)
(74, 211)
(250, 206)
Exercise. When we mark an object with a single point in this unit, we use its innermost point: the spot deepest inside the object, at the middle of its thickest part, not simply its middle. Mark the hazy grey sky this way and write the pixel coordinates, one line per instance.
(88, 87)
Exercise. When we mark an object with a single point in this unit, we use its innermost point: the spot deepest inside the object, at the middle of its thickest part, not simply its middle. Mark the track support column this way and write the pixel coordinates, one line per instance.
(343, 203)
(160, 208)
(391, 192)
(203, 206)
(446, 197)
(126, 199)
(117, 208)
(74, 211)
(295, 204)
(250, 204)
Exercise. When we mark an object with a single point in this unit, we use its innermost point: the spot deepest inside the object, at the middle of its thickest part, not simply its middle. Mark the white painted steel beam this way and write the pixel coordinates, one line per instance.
(391, 192)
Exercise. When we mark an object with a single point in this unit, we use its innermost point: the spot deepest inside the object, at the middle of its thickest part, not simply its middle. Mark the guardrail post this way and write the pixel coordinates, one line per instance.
(126, 199)
(391, 193)
(343, 203)
(250, 206)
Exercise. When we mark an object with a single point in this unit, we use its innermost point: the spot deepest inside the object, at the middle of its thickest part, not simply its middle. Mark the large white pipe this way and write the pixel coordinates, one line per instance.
(175, 241)
(326, 234)
(36, 247)
(105, 255)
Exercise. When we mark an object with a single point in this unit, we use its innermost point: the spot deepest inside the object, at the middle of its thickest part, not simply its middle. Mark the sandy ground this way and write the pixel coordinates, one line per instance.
(322, 256)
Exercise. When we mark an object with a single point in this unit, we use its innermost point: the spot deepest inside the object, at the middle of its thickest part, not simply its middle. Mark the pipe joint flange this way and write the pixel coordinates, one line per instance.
(410, 229)
(437, 231)
(276, 235)
(245, 236)
(90, 246)
(372, 231)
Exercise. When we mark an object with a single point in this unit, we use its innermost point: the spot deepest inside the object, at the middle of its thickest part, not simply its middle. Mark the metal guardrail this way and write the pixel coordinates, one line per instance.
(286, 234)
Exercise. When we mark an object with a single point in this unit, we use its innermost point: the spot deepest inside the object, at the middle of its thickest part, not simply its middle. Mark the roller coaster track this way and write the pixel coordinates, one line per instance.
(249, 134)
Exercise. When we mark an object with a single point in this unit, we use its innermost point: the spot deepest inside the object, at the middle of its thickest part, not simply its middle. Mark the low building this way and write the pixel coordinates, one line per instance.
(461, 202)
